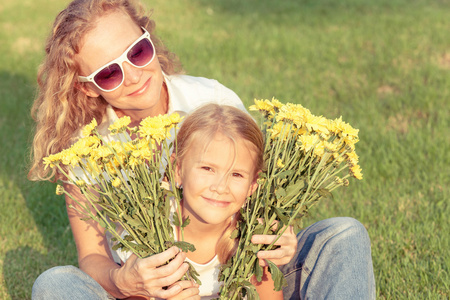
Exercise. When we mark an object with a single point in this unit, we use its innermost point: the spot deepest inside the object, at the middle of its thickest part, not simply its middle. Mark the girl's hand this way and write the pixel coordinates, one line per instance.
(190, 291)
(281, 255)
(149, 276)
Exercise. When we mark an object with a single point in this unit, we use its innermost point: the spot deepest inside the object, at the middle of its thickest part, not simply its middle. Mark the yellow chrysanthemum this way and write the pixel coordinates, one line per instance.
(319, 149)
(116, 182)
(92, 166)
(276, 104)
(102, 152)
(352, 157)
(280, 163)
(133, 162)
(175, 118)
(343, 129)
(155, 128)
(69, 157)
(264, 106)
(316, 123)
(355, 171)
(80, 183)
(280, 129)
(87, 130)
(308, 142)
(111, 168)
(120, 125)
(52, 160)
(83, 147)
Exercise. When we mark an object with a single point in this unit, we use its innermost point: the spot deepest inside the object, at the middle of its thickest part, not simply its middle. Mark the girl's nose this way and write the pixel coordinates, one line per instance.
(220, 186)
(131, 73)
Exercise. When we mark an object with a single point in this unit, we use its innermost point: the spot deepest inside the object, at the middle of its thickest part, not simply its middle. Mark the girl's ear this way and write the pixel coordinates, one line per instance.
(86, 90)
(178, 180)
(253, 185)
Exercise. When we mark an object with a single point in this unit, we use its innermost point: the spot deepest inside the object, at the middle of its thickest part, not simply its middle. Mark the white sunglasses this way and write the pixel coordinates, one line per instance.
(111, 76)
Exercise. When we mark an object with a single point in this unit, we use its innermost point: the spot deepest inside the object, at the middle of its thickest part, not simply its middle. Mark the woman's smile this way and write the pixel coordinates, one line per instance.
(141, 90)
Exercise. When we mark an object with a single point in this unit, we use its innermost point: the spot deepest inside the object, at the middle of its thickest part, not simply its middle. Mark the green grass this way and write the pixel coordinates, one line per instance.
(383, 65)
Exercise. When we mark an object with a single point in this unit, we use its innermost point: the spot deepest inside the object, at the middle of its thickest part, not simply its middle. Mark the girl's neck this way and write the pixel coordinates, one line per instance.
(203, 236)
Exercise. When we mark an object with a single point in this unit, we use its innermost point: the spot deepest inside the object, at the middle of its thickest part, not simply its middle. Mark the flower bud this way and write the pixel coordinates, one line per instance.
(59, 190)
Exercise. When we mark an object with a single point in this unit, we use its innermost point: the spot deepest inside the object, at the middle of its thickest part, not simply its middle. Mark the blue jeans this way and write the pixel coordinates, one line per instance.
(333, 261)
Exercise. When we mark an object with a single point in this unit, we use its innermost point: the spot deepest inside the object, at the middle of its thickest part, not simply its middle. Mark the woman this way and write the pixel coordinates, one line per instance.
(103, 61)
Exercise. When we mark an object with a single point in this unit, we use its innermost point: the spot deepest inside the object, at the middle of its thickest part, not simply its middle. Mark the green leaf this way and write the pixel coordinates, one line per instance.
(280, 214)
(258, 271)
(252, 294)
(193, 274)
(185, 246)
(277, 276)
(280, 193)
(284, 174)
(325, 193)
(176, 219)
(293, 189)
(234, 234)
(186, 222)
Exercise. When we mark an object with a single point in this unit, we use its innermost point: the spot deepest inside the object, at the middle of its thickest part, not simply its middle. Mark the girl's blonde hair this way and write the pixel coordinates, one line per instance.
(60, 109)
(201, 126)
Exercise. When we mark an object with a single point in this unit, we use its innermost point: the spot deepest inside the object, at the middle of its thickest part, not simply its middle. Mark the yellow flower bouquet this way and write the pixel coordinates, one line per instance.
(123, 183)
(305, 159)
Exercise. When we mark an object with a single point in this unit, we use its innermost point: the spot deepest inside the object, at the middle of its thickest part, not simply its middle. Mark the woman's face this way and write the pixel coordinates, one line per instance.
(140, 93)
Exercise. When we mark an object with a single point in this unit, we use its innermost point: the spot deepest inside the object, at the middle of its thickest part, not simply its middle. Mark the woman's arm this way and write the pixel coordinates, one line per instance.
(137, 277)
(265, 288)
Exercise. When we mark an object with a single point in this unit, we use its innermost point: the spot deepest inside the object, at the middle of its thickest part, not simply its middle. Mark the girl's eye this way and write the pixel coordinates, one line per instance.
(206, 168)
(237, 175)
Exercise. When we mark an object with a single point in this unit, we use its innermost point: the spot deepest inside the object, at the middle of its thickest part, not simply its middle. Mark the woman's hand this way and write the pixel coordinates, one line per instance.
(190, 291)
(281, 255)
(149, 277)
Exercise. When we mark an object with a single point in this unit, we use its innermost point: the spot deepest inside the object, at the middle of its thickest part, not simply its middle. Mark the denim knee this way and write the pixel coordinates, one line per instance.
(67, 282)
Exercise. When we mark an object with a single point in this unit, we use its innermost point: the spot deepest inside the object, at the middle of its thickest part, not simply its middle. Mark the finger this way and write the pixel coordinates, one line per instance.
(161, 258)
(176, 291)
(173, 275)
(263, 239)
(190, 293)
(278, 257)
(186, 284)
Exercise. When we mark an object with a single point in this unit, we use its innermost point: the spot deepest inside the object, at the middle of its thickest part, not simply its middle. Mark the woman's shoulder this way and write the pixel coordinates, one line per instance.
(192, 82)
(183, 89)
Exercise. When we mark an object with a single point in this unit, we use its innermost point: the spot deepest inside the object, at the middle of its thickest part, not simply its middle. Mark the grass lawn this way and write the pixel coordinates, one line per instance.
(383, 65)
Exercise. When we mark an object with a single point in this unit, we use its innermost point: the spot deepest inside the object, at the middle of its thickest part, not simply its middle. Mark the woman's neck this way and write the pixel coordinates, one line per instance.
(137, 116)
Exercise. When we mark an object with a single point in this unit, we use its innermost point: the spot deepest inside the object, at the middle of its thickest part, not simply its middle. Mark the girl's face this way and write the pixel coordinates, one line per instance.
(140, 93)
(217, 177)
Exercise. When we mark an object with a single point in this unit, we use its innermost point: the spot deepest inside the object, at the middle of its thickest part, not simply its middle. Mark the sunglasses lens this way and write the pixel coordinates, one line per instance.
(110, 77)
(141, 54)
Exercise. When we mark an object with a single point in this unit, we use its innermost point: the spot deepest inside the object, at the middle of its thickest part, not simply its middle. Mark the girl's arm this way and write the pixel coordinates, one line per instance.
(265, 288)
(137, 277)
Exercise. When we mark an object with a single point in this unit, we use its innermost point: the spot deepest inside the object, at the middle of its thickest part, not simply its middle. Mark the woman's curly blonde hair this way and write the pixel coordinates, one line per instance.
(60, 109)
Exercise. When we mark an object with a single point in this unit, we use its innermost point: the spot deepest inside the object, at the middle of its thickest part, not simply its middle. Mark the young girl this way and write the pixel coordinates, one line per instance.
(220, 152)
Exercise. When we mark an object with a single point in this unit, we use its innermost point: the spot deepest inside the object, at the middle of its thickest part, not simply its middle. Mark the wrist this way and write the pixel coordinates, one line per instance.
(118, 282)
